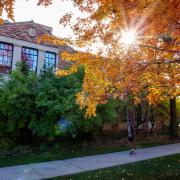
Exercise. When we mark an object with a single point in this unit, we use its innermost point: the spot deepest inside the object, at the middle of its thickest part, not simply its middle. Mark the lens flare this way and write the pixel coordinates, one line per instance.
(128, 37)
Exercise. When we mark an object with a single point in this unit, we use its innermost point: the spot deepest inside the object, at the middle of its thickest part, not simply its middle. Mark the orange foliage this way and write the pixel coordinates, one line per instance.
(8, 7)
(116, 70)
(151, 64)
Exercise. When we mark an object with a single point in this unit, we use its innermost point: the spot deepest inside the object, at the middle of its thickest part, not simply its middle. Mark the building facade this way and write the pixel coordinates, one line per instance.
(18, 41)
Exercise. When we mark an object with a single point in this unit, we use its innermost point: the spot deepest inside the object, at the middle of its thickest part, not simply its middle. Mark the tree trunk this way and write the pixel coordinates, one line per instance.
(173, 120)
(151, 118)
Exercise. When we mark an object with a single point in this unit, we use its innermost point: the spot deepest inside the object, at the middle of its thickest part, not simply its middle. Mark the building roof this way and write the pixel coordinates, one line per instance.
(23, 31)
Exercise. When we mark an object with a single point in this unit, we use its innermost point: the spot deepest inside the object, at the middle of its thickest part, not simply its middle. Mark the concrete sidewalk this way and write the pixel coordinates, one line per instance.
(81, 164)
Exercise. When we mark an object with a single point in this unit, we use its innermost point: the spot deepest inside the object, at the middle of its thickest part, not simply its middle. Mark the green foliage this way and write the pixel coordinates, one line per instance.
(31, 106)
(17, 99)
(161, 112)
(55, 98)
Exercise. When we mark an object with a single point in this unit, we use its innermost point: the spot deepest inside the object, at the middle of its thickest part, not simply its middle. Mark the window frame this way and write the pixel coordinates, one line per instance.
(34, 49)
(9, 67)
(51, 59)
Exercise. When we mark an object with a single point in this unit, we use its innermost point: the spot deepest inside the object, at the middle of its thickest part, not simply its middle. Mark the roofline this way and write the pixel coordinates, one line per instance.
(20, 22)
(57, 47)
(37, 24)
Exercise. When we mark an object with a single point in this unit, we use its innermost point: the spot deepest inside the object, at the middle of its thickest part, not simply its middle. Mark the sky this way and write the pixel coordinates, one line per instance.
(27, 10)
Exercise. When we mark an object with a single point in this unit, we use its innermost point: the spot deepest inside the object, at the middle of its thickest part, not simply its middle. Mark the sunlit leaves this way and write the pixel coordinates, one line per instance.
(8, 7)
(46, 38)
(115, 71)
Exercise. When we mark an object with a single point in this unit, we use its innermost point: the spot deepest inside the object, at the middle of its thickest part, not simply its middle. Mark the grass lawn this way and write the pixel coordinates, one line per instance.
(65, 151)
(54, 155)
(62, 152)
(167, 168)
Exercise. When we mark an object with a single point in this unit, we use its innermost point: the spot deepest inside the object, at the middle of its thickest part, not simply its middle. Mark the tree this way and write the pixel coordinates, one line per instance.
(56, 99)
(121, 68)
(173, 122)
(124, 68)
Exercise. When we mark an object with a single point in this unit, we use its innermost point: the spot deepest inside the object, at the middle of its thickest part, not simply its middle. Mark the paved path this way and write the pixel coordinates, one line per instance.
(81, 164)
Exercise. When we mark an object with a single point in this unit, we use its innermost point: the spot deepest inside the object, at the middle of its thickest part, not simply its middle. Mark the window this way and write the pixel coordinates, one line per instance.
(6, 56)
(50, 60)
(31, 55)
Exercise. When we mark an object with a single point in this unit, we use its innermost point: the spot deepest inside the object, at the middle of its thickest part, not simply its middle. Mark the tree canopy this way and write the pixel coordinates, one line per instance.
(149, 64)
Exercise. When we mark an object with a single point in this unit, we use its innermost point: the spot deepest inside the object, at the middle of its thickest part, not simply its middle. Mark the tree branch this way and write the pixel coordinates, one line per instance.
(159, 49)
(161, 61)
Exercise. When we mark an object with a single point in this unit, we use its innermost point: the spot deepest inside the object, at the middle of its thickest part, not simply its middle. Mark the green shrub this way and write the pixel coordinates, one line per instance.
(31, 107)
